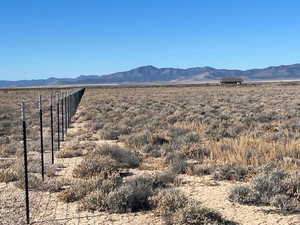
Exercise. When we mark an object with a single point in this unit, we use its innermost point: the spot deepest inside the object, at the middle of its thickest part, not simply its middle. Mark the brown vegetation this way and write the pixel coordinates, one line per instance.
(228, 133)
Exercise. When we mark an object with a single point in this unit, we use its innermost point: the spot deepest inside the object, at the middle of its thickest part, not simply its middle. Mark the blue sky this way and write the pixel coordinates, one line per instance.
(67, 38)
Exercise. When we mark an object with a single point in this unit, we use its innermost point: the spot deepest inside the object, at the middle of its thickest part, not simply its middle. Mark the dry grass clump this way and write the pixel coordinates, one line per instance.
(276, 188)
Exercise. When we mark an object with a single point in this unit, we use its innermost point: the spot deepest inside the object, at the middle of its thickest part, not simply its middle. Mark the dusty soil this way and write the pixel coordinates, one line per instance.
(46, 209)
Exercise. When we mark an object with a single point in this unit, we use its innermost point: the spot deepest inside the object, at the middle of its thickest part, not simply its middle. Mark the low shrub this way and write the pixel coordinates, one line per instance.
(229, 172)
(129, 197)
(243, 194)
(194, 214)
(8, 175)
(72, 149)
(6, 163)
(177, 162)
(51, 171)
(96, 200)
(80, 189)
(65, 153)
(201, 169)
(152, 150)
(275, 188)
(269, 185)
(75, 192)
(285, 203)
(126, 158)
(35, 183)
(195, 151)
(34, 166)
(164, 178)
(54, 185)
(93, 165)
(136, 140)
(8, 150)
(175, 132)
(166, 202)
(112, 131)
(158, 140)
(95, 126)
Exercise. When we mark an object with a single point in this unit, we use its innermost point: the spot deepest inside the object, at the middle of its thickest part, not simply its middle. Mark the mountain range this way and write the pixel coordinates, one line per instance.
(151, 74)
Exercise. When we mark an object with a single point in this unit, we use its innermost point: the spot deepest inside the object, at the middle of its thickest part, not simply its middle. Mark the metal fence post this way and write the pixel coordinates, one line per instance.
(62, 118)
(25, 162)
(52, 130)
(42, 138)
(58, 121)
(66, 114)
(69, 109)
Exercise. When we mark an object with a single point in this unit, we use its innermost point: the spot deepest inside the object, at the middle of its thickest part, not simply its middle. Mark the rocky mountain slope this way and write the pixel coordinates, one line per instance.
(151, 74)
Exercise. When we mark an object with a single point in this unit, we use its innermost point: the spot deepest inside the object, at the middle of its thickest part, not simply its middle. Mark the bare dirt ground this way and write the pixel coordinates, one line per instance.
(47, 209)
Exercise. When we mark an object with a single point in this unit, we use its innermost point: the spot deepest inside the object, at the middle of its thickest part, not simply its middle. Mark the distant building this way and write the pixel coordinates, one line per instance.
(231, 80)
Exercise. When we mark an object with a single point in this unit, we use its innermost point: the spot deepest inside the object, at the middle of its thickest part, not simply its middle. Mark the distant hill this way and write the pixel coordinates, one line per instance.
(151, 74)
